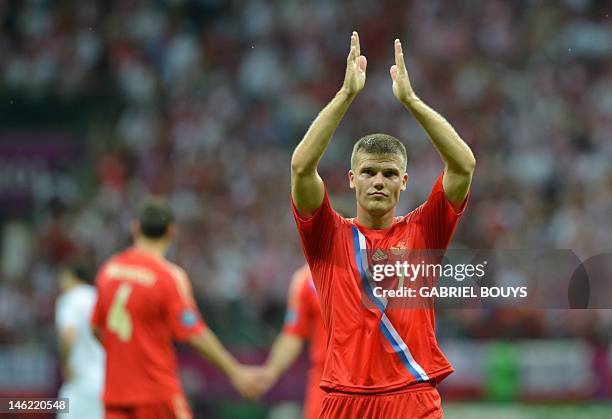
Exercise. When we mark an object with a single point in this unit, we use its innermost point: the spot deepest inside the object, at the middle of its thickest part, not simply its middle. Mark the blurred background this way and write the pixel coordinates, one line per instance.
(105, 102)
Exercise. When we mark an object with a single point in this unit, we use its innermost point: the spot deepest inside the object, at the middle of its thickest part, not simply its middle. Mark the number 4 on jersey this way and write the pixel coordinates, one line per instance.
(119, 320)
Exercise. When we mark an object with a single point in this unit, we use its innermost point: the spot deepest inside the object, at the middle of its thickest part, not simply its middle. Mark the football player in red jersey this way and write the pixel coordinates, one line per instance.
(145, 302)
(381, 361)
(303, 322)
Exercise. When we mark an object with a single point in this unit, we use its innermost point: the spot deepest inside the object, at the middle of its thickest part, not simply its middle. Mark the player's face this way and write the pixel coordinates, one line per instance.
(378, 181)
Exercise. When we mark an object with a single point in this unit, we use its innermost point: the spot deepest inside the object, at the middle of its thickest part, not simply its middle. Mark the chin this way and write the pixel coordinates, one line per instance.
(378, 208)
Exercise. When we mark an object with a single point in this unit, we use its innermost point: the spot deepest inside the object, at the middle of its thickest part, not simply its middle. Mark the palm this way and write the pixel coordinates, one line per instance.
(355, 78)
(401, 87)
(397, 90)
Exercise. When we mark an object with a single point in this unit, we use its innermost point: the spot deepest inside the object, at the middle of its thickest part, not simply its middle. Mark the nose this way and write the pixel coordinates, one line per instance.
(379, 181)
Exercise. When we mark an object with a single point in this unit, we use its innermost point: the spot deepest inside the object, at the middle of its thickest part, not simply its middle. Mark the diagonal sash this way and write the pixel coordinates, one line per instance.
(385, 325)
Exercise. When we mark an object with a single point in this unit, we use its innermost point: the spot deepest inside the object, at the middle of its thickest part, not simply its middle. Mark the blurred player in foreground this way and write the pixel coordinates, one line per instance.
(303, 322)
(81, 356)
(382, 362)
(144, 303)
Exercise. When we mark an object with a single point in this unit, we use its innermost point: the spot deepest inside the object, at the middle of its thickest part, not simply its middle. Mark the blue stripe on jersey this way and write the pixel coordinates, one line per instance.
(389, 332)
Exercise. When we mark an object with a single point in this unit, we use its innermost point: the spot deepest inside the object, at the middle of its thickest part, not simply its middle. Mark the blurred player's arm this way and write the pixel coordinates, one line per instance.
(65, 341)
(189, 327)
(287, 347)
(458, 158)
(307, 189)
(247, 380)
(297, 328)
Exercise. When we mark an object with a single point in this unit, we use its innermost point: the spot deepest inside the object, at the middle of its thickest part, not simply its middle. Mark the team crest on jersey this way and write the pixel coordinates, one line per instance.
(188, 318)
(400, 248)
(379, 255)
(290, 318)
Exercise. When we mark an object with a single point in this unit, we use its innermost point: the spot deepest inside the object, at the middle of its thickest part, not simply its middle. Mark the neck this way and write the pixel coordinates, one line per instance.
(155, 247)
(377, 222)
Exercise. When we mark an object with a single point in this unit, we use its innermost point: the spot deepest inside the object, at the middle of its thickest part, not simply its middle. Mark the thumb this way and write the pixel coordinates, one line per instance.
(362, 62)
(393, 72)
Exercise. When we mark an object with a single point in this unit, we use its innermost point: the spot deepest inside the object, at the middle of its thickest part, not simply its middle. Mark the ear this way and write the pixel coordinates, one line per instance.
(351, 177)
(404, 181)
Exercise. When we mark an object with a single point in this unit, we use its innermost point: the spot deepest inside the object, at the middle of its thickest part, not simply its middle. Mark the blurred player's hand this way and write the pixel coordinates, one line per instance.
(269, 377)
(402, 89)
(356, 64)
(247, 380)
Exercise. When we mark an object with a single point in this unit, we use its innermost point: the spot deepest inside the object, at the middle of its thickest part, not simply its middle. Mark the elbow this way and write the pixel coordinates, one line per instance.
(298, 168)
(470, 165)
(465, 167)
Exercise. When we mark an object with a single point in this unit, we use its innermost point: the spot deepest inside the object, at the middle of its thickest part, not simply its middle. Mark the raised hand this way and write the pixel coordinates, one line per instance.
(356, 64)
(402, 89)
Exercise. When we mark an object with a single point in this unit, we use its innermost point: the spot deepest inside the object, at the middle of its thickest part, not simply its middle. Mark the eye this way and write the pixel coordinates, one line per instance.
(390, 173)
(368, 172)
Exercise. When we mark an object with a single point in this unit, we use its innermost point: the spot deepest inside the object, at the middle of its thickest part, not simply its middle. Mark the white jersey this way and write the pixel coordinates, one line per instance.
(86, 358)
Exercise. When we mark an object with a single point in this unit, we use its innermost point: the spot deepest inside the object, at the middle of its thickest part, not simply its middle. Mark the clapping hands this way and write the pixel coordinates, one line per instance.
(355, 76)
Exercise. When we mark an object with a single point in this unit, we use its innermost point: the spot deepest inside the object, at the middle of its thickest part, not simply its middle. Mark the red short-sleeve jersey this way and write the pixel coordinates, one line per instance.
(144, 303)
(373, 348)
(303, 316)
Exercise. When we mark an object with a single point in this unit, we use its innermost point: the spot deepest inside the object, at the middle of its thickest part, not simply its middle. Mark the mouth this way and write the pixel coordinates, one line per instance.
(380, 194)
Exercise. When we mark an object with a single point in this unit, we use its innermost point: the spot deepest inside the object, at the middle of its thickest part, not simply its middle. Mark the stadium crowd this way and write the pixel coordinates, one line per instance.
(209, 98)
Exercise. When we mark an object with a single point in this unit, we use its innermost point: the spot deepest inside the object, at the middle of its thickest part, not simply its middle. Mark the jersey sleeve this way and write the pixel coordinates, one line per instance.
(183, 316)
(297, 317)
(65, 314)
(317, 231)
(70, 310)
(438, 218)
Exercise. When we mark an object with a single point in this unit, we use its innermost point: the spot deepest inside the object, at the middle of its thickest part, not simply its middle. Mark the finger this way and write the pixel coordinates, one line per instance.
(351, 57)
(357, 43)
(397, 48)
(399, 55)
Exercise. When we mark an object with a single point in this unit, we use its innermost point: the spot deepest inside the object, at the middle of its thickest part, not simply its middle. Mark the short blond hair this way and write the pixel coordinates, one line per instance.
(378, 144)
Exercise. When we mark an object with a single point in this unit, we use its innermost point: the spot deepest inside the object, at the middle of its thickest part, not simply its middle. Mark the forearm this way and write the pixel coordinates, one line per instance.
(210, 348)
(307, 188)
(284, 352)
(310, 150)
(455, 153)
